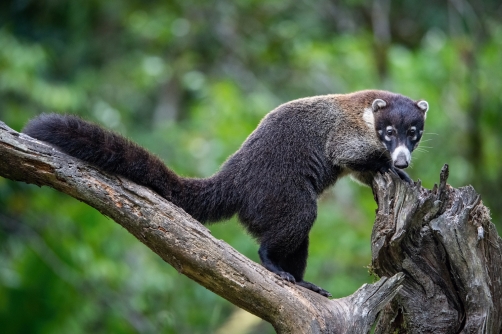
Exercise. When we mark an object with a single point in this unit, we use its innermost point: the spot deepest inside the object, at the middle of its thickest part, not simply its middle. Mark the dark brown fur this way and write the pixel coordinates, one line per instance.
(272, 182)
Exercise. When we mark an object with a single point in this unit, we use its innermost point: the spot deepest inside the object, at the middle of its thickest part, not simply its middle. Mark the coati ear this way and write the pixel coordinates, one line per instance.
(422, 104)
(378, 104)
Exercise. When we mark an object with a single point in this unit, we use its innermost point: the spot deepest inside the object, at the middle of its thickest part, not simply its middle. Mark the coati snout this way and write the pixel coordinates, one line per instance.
(401, 157)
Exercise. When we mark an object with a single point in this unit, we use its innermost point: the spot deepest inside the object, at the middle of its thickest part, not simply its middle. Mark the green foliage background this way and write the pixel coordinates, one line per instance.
(190, 80)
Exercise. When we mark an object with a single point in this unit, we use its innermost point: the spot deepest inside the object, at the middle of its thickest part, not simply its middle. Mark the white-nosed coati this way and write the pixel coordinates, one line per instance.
(273, 181)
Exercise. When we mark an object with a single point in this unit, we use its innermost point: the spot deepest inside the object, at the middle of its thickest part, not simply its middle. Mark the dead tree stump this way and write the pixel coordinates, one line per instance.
(444, 242)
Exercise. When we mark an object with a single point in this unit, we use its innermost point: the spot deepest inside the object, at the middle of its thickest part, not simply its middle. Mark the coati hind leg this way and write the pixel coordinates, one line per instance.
(296, 262)
(292, 267)
(284, 248)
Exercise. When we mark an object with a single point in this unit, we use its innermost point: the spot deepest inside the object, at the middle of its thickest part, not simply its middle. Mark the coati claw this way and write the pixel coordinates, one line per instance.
(389, 170)
(314, 288)
(402, 174)
(397, 172)
(286, 276)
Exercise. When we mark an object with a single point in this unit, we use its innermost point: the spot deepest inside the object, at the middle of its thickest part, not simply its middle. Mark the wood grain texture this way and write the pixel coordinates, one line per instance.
(445, 243)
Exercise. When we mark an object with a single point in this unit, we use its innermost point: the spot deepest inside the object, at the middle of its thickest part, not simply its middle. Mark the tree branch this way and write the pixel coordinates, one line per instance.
(438, 246)
(189, 247)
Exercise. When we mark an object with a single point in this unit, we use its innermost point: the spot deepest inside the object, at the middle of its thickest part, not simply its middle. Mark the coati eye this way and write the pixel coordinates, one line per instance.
(412, 132)
(389, 132)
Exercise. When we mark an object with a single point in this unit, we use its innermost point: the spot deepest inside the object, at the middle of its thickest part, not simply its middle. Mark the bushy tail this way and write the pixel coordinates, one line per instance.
(106, 150)
(206, 200)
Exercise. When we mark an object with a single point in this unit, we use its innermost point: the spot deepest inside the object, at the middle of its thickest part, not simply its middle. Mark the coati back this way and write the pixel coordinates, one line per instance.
(272, 182)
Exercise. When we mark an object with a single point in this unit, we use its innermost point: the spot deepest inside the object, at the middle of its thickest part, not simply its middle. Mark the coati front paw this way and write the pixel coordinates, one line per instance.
(388, 169)
(398, 172)
(314, 288)
(402, 174)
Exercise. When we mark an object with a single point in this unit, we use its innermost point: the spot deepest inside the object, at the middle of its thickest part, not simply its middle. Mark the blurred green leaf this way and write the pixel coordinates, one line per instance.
(190, 81)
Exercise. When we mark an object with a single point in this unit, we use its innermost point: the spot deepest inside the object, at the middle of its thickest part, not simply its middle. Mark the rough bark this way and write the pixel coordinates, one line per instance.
(417, 231)
(444, 242)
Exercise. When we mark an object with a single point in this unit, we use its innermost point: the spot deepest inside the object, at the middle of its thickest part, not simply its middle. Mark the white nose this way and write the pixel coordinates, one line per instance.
(401, 157)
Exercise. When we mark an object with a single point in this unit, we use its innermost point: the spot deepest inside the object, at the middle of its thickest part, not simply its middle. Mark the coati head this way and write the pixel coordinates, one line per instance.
(399, 123)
